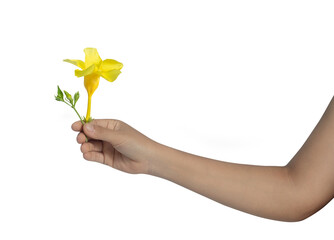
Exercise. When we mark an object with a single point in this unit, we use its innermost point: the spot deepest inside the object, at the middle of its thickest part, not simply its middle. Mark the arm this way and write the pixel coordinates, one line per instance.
(290, 193)
(261, 191)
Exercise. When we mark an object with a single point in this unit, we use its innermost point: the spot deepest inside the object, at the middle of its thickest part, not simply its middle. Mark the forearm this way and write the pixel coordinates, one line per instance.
(262, 191)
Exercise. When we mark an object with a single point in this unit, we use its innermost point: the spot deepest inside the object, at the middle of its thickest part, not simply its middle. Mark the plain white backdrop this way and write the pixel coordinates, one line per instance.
(238, 81)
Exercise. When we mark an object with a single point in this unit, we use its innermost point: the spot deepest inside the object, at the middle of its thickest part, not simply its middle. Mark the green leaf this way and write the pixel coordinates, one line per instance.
(58, 98)
(69, 97)
(60, 94)
(76, 97)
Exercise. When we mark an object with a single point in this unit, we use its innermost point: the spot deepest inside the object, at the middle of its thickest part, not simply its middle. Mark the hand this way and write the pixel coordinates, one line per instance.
(114, 143)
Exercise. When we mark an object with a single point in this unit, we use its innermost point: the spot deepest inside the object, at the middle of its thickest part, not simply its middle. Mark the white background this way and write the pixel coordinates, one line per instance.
(239, 81)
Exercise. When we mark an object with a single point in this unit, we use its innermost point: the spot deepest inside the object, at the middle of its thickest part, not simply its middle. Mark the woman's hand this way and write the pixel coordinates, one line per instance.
(114, 143)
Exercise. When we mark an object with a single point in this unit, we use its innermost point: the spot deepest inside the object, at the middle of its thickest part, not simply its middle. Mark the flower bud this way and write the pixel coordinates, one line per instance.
(60, 94)
(76, 97)
(69, 97)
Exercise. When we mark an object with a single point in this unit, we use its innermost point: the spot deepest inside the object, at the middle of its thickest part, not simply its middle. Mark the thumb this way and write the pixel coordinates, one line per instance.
(99, 133)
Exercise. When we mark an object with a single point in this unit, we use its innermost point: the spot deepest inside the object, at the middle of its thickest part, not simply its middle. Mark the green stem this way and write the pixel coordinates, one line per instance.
(78, 115)
(83, 123)
(72, 106)
(81, 120)
(67, 103)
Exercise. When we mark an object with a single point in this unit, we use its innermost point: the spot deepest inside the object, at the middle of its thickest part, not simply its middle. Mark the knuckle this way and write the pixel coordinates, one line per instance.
(118, 124)
(114, 124)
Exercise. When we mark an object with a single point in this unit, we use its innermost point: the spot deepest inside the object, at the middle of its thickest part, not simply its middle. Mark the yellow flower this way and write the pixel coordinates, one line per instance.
(92, 69)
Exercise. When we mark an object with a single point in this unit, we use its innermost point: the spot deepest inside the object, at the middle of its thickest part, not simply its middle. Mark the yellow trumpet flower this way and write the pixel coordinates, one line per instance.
(92, 69)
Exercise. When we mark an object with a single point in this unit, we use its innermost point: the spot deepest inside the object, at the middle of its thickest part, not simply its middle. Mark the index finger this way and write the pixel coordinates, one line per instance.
(77, 126)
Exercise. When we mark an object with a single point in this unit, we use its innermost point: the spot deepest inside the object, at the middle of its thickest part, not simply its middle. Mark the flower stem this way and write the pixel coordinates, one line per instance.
(88, 107)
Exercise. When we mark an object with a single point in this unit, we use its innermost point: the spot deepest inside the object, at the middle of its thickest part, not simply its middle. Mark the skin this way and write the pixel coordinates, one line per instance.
(286, 193)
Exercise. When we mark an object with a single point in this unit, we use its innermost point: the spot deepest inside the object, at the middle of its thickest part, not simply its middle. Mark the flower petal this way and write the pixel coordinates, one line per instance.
(111, 75)
(85, 72)
(78, 63)
(92, 57)
(110, 64)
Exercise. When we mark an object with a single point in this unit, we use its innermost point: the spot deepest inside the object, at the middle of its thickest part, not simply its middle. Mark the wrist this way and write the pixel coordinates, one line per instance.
(168, 163)
(158, 160)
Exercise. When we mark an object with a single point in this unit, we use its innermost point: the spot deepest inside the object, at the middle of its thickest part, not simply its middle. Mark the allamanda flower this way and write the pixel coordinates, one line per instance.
(92, 69)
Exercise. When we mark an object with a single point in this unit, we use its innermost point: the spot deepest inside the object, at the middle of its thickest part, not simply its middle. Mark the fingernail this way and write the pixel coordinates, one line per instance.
(90, 127)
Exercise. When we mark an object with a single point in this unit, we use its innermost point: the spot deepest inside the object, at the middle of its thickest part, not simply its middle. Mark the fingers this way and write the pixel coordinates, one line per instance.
(92, 151)
(94, 156)
(81, 138)
(92, 146)
(77, 126)
(102, 135)
(97, 129)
